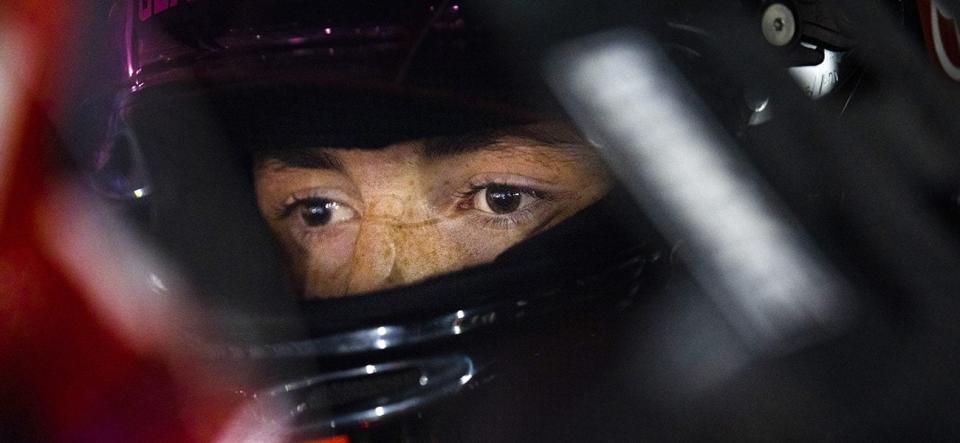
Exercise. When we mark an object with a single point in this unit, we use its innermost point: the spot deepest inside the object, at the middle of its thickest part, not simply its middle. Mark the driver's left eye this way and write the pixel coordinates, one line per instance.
(500, 199)
(503, 199)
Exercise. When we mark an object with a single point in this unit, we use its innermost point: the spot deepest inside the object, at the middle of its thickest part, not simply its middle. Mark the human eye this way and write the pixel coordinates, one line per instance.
(502, 199)
(316, 212)
(502, 205)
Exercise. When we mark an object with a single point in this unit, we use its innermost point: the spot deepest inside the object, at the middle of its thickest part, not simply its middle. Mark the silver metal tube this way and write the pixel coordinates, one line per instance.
(622, 91)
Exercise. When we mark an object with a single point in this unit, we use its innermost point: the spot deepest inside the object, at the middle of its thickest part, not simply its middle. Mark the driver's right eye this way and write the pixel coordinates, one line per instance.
(319, 212)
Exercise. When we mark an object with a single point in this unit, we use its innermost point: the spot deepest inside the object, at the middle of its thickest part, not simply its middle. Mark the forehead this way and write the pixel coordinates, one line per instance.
(529, 140)
(550, 134)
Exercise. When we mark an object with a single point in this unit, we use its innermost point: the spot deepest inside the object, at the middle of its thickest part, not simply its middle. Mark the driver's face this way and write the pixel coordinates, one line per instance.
(358, 220)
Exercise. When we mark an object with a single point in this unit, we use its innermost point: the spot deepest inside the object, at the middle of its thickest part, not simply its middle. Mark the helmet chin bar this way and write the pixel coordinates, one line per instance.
(389, 383)
(632, 270)
(309, 403)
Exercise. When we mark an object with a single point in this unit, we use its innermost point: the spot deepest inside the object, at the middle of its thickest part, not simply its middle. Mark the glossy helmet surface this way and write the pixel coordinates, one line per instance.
(206, 84)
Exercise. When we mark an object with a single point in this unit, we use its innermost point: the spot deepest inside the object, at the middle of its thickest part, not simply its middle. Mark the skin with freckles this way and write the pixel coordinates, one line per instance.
(357, 220)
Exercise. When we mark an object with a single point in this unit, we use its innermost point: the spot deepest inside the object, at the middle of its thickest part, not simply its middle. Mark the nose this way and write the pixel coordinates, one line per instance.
(375, 250)
(374, 258)
(389, 254)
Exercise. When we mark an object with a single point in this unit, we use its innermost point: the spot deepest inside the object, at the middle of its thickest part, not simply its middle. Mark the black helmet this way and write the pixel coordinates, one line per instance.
(208, 85)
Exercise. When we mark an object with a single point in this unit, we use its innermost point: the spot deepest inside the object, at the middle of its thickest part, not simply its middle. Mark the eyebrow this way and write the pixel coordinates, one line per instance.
(299, 158)
(433, 148)
(446, 146)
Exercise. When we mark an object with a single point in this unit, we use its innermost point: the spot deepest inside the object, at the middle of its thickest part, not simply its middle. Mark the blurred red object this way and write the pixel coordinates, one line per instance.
(942, 37)
(68, 371)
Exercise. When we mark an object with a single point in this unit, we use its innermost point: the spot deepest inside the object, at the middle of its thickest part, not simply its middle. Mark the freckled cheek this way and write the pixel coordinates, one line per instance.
(326, 270)
(429, 251)
(475, 245)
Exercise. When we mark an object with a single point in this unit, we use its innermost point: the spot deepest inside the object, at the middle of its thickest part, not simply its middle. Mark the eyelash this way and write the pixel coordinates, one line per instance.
(308, 233)
(287, 209)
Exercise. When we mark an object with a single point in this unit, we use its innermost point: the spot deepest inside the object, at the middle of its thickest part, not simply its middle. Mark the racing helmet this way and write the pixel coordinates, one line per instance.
(206, 85)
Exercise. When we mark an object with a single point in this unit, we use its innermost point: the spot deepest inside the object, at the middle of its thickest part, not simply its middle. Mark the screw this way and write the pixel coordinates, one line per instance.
(778, 24)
